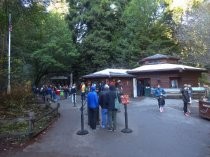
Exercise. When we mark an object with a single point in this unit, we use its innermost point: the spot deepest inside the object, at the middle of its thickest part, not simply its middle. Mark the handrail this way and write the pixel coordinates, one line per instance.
(32, 120)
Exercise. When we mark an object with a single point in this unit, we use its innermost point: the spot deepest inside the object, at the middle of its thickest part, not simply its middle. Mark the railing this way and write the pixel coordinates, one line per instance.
(37, 125)
(29, 126)
(197, 93)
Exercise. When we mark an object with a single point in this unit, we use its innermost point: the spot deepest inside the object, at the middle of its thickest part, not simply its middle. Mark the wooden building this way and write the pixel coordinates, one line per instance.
(156, 69)
(164, 70)
(112, 76)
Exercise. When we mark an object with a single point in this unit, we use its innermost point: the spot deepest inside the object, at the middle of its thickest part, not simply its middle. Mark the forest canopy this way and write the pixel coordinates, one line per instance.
(82, 36)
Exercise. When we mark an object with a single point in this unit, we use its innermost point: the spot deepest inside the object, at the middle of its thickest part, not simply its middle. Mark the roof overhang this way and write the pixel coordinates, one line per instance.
(108, 73)
(159, 56)
(165, 67)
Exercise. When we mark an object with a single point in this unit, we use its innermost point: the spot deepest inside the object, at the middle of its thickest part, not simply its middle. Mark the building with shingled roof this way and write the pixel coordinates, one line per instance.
(157, 69)
(164, 70)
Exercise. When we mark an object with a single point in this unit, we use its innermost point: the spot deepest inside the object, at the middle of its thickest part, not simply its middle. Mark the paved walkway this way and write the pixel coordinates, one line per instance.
(155, 134)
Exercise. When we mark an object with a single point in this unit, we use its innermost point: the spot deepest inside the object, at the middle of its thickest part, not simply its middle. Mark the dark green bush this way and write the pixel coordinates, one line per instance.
(16, 103)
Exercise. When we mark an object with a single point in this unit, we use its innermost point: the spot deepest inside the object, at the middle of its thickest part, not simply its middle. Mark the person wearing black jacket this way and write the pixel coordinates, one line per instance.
(185, 98)
(103, 102)
(112, 112)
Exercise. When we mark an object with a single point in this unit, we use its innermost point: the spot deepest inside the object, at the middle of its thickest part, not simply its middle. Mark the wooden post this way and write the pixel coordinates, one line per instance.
(31, 123)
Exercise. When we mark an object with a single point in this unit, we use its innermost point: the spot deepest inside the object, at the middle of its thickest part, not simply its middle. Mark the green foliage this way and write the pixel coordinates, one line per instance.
(117, 34)
(96, 25)
(2, 21)
(204, 79)
(178, 9)
(100, 34)
(193, 36)
(146, 31)
(43, 41)
(17, 102)
(10, 128)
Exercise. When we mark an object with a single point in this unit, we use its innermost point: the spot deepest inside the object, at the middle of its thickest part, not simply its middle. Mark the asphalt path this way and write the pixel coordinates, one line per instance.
(155, 134)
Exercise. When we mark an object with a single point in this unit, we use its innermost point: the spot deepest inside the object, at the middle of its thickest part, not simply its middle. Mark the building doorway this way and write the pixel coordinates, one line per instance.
(143, 87)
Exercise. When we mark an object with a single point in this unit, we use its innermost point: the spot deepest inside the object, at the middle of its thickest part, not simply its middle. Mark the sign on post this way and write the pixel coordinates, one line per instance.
(125, 99)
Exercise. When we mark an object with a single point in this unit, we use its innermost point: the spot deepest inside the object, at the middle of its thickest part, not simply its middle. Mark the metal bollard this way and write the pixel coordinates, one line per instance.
(82, 131)
(126, 129)
(125, 101)
(58, 106)
(74, 99)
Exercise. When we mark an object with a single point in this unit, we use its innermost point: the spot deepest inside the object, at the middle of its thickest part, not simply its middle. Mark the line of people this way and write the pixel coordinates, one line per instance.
(56, 92)
(106, 99)
(53, 92)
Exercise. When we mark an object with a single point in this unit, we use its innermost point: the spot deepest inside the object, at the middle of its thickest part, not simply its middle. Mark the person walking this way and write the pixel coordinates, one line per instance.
(112, 111)
(92, 102)
(159, 93)
(185, 98)
(103, 102)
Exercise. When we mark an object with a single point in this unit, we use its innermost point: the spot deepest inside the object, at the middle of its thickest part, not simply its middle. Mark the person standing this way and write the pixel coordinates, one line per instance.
(92, 102)
(49, 92)
(119, 87)
(190, 97)
(119, 90)
(66, 91)
(159, 93)
(83, 89)
(112, 111)
(185, 98)
(207, 92)
(103, 102)
(73, 94)
(139, 88)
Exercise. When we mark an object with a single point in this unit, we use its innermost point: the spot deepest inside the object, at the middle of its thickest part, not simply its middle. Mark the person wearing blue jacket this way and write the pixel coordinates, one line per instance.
(92, 102)
(159, 93)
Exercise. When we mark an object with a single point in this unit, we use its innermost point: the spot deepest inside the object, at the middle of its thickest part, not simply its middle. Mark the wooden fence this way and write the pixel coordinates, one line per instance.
(29, 126)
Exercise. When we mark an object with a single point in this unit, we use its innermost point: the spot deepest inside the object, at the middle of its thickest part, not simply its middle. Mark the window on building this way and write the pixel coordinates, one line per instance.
(174, 82)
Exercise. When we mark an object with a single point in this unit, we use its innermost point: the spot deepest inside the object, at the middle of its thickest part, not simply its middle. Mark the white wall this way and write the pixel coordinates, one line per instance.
(134, 87)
